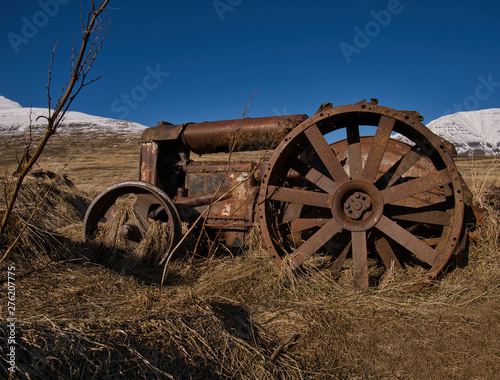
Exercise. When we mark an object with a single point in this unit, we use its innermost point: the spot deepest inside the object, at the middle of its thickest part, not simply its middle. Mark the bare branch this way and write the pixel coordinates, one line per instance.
(49, 99)
(247, 103)
(80, 65)
(27, 146)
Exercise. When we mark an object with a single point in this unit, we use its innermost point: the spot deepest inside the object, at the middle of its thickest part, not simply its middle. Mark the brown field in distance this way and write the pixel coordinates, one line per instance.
(479, 169)
(97, 161)
(91, 162)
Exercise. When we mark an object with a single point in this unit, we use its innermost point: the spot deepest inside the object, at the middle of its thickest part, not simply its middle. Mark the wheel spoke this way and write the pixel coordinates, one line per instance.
(315, 242)
(110, 213)
(326, 154)
(302, 224)
(387, 254)
(142, 206)
(397, 170)
(418, 215)
(407, 240)
(359, 259)
(337, 265)
(305, 197)
(416, 186)
(314, 176)
(377, 150)
(354, 151)
(433, 242)
(291, 212)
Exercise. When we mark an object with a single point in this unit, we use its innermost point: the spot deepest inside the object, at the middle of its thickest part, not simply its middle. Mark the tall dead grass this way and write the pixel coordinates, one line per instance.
(125, 255)
(237, 317)
(48, 208)
(480, 278)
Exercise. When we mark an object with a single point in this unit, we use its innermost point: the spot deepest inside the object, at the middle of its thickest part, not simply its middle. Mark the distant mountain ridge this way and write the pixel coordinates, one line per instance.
(14, 120)
(472, 133)
(7, 104)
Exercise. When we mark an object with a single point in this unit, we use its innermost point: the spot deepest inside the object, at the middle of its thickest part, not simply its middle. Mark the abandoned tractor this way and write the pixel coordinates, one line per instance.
(333, 186)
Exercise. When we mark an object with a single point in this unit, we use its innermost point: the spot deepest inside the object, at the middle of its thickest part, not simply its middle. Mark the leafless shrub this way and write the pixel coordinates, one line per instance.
(80, 65)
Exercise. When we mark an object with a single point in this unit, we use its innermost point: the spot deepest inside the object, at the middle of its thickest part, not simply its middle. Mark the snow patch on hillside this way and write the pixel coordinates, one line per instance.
(474, 132)
(6, 104)
(15, 120)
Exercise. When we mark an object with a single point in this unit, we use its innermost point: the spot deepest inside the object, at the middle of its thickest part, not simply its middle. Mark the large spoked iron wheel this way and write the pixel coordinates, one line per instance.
(135, 223)
(367, 195)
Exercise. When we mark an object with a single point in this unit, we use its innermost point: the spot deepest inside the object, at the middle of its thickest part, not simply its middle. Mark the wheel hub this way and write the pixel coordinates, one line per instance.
(129, 232)
(357, 205)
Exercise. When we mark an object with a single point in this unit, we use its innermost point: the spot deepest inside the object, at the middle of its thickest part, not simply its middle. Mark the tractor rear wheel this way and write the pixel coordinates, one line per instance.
(368, 195)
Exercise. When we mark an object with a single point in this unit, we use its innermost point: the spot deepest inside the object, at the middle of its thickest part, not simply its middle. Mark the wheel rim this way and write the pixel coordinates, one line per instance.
(133, 220)
(413, 207)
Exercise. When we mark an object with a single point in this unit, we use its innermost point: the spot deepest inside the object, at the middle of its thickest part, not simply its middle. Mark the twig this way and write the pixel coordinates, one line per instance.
(244, 203)
(25, 274)
(171, 254)
(474, 299)
(151, 366)
(281, 347)
(247, 104)
(231, 150)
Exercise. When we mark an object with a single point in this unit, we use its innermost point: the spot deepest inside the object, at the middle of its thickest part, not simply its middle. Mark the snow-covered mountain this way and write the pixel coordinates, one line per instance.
(14, 120)
(473, 132)
(7, 104)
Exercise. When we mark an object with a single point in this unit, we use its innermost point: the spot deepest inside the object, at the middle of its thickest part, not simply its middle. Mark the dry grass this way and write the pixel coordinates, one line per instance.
(46, 212)
(117, 253)
(93, 162)
(480, 172)
(225, 317)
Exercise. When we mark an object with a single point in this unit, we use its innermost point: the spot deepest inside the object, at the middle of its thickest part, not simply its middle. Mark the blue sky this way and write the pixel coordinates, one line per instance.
(196, 60)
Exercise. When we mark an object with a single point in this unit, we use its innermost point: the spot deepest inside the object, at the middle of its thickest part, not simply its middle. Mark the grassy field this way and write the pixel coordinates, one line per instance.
(92, 162)
(226, 317)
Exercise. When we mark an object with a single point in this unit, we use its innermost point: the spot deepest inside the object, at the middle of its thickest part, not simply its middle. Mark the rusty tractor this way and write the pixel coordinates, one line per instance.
(334, 186)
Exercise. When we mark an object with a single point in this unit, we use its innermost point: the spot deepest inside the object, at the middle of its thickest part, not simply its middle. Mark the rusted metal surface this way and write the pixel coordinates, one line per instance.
(163, 132)
(148, 160)
(237, 181)
(223, 136)
(146, 204)
(202, 199)
(413, 203)
(361, 197)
